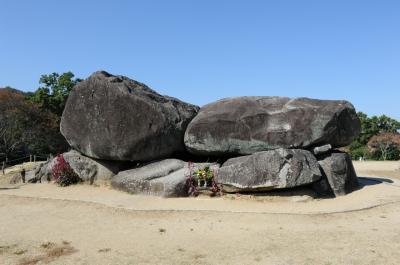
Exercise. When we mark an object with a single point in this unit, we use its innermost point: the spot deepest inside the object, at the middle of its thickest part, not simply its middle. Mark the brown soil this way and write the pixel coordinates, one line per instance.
(96, 225)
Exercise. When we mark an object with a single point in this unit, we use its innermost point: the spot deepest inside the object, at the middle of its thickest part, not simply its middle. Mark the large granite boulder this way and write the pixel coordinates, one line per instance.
(166, 178)
(338, 172)
(88, 169)
(267, 170)
(245, 125)
(115, 118)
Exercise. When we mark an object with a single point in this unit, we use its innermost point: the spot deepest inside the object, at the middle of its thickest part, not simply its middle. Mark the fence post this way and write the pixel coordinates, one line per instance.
(30, 158)
(34, 158)
(3, 167)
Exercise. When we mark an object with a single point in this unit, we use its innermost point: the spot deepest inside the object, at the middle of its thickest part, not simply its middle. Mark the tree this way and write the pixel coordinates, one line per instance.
(55, 89)
(10, 126)
(369, 128)
(385, 145)
(26, 128)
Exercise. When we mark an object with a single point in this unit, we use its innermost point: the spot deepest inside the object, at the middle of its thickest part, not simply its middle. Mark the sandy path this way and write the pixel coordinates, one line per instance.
(102, 226)
(131, 237)
(373, 193)
(378, 168)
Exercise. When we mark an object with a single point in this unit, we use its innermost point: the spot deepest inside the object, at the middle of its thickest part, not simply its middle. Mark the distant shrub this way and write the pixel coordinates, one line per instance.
(360, 152)
(385, 146)
(62, 172)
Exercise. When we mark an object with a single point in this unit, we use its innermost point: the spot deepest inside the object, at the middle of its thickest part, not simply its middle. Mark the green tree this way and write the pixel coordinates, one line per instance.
(386, 124)
(371, 126)
(55, 89)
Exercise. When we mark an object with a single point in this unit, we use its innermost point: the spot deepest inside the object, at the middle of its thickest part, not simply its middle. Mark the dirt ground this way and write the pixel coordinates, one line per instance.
(46, 224)
(378, 168)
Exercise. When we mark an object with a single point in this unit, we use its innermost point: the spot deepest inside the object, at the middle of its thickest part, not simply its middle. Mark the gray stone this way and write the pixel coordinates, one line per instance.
(245, 125)
(322, 187)
(338, 170)
(43, 172)
(322, 149)
(166, 178)
(29, 175)
(267, 170)
(88, 169)
(115, 118)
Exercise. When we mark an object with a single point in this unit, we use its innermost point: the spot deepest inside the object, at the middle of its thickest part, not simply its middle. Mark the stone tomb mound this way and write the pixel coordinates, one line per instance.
(273, 143)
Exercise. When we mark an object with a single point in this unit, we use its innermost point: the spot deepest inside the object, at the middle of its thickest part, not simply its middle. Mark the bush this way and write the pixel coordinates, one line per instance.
(62, 172)
(385, 146)
(358, 152)
(390, 154)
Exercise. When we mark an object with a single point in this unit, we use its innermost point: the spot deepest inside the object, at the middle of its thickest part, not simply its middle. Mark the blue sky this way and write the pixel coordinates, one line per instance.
(201, 51)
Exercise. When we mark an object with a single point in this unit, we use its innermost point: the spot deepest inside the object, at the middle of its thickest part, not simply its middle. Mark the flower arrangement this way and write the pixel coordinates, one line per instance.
(201, 179)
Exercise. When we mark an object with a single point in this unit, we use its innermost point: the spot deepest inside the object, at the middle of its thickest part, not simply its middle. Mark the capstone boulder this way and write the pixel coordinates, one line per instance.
(245, 125)
(115, 118)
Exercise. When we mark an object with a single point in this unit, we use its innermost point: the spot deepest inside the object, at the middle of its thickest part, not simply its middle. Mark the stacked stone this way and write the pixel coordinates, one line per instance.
(281, 142)
(266, 142)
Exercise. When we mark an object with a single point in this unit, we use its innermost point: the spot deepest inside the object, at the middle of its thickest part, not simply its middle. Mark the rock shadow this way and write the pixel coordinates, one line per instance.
(371, 181)
(288, 192)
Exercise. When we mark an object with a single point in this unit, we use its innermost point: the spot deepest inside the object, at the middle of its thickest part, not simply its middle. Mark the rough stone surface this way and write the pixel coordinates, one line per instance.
(29, 175)
(322, 188)
(274, 169)
(88, 169)
(338, 169)
(44, 172)
(166, 178)
(245, 125)
(115, 118)
(322, 149)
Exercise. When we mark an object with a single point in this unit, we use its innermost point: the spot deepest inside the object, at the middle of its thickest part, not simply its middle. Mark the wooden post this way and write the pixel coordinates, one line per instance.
(30, 158)
(3, 167)
(34, 158)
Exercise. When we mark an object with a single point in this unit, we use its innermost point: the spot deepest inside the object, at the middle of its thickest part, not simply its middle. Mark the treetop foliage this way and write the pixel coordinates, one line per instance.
(53, 93)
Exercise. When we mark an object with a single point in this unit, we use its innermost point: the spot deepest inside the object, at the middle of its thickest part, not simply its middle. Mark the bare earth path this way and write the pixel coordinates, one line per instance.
(44, 224)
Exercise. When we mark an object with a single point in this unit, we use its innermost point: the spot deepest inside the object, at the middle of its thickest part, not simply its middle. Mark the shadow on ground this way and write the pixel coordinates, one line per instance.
(9, 188)
(370, 181)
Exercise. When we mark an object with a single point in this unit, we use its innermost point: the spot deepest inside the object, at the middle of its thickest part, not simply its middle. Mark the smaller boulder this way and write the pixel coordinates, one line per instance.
(29, 175)
(322, 188)
(338, 170)
(43, 171)
(166, 178)
(268, 170)
(322, 149)
(88, 169)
